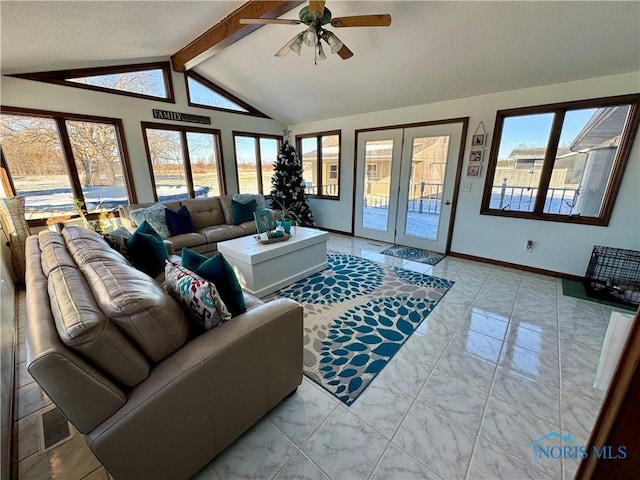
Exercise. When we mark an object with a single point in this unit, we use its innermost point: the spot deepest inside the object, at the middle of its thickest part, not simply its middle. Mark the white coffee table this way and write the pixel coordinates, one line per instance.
(263, 269)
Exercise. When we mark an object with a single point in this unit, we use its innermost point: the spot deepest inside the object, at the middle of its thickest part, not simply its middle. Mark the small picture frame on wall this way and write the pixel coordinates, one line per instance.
(473, 170)
(478, 140)
(264, 221)
(475, 156)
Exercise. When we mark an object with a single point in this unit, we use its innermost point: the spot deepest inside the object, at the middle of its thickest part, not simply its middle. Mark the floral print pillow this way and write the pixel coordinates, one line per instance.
(198, 297)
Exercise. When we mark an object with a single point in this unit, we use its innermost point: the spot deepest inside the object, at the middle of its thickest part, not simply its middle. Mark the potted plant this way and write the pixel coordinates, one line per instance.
(286, 217)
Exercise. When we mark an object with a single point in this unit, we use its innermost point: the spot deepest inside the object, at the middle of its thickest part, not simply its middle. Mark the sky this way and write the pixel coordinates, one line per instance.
(533, 130)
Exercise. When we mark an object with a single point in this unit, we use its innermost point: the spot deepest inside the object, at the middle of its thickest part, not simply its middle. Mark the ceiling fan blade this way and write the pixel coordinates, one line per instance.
(382, 20)
(316, 6)
(265, 21)
(344, 52)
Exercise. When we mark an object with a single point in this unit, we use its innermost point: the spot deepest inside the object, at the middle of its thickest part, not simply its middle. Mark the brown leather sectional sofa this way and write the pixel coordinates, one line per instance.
(212, 217)
(116, 354)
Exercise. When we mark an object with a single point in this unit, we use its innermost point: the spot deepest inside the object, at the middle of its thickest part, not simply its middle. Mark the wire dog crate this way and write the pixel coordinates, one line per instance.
(614, 274)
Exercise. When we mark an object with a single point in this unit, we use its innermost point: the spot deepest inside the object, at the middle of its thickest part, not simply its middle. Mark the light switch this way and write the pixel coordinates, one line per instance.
(466, 187)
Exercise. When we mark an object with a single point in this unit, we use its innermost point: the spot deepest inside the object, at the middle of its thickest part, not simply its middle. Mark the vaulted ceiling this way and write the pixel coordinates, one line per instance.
(433, 51)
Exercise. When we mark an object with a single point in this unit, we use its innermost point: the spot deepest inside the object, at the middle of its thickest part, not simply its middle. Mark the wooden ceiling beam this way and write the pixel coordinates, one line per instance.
(227, 32)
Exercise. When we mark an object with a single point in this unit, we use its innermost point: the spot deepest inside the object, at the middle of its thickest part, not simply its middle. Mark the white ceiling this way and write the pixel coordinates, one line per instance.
(433, 51)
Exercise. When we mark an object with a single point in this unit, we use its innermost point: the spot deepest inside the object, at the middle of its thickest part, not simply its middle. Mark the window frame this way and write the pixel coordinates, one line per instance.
(60, 77)
(318, 136)
(559, 110)
(183, 130)
(256, 137)
(60, 119)
(252, 111)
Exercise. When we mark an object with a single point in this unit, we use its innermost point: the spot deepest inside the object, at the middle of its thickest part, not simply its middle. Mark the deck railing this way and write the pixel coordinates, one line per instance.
(559, 200)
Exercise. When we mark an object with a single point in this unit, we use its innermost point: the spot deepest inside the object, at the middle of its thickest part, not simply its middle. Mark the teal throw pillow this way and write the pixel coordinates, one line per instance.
(147, 250)
(242, 212)
(217, 270)
(247, 197)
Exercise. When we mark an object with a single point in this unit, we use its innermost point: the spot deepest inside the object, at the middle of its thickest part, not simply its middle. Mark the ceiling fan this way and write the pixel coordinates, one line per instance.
(316, 16)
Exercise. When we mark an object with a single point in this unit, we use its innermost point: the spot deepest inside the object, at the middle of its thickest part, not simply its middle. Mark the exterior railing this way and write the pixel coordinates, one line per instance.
(329, 190)
(559, 200)
(424, 197)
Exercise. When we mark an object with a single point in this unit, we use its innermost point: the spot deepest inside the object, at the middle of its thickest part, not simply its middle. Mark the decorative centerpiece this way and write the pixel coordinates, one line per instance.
(277, 235)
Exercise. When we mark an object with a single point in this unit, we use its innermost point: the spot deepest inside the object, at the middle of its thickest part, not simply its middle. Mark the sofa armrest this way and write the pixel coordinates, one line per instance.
(204, 396)
(169, 245)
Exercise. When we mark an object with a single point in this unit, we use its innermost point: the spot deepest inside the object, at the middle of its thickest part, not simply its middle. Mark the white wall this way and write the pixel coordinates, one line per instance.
(558, 247)
(30, 94)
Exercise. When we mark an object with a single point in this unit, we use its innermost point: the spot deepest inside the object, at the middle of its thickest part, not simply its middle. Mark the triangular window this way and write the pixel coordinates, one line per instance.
(204, 93)
(149, 80)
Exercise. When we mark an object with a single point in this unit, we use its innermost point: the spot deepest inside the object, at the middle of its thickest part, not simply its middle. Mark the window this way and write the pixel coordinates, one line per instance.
(185, 162)
(147, 80)
(202, 92)
(57, 159)
(320, 153)
(561, 162)
(255, 158)
(372, 171)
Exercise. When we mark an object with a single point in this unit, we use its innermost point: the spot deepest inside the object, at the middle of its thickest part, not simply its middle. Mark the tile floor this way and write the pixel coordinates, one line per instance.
(502, 360)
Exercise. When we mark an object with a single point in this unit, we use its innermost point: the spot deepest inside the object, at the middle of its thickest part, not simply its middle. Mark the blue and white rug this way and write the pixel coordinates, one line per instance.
(415, 254)
(357, 315)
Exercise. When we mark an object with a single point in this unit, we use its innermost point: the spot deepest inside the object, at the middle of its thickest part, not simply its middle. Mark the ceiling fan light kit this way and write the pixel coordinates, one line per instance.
(316, 15)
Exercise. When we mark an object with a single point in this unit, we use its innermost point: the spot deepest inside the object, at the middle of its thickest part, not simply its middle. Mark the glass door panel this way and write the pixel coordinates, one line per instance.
(429, 161)
(377, 184)
(426, 182)
(376, 189)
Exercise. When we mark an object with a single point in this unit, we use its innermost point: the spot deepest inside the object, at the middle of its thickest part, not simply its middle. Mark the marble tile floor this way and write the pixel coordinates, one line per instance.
(502, 360)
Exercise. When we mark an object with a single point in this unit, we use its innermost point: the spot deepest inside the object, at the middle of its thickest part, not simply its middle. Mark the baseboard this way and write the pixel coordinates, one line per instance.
(526, 268)
(339, 232)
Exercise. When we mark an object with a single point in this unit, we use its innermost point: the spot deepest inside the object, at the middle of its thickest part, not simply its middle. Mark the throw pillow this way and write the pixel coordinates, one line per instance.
(155, 216)
(242, 212)
(197, 296)
(180, 221)
(247, 197)
(147, 250)
(217, 270)
(115, 239)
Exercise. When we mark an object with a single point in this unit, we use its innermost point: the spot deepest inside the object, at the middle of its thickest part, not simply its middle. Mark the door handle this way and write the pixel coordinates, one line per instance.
(447, 202)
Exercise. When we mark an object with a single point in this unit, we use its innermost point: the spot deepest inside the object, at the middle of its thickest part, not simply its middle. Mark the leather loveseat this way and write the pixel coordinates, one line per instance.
(117, 355)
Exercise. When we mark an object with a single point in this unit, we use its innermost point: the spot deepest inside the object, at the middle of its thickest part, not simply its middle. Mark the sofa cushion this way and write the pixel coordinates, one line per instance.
(204, 212)
(198, 297)
(242, 212)
(83, 327)
(140, 307)
(220, 233)
(179, 222)
(54, 252)
(187, 240)
(86, 246)
(217, 270)
(155, 216)
(147, 250)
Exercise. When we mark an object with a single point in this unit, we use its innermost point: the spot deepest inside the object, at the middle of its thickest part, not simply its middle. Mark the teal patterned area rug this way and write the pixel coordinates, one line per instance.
(415, 254)
(357, 315)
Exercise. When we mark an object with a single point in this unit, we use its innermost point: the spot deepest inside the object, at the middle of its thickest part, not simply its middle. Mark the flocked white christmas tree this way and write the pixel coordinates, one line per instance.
(288, 189)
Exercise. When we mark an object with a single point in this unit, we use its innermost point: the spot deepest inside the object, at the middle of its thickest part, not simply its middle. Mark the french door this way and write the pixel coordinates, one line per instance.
(404, 184)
